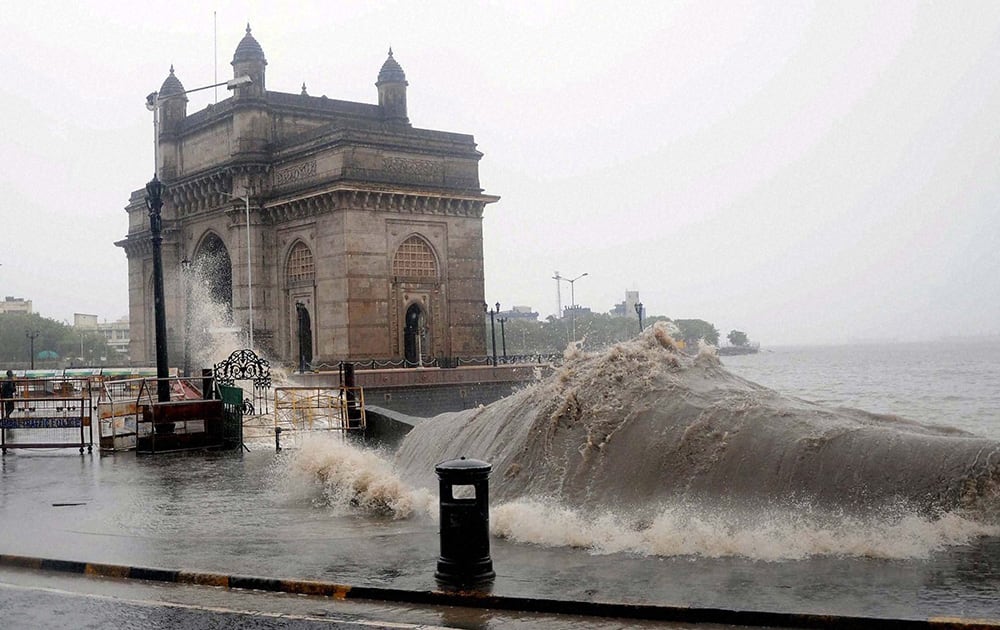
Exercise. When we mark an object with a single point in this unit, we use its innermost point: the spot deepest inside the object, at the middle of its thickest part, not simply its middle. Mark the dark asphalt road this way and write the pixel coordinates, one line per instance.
(35, 599)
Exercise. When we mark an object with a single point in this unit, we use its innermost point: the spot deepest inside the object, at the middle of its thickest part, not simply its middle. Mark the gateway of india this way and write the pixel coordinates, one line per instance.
(365, 233)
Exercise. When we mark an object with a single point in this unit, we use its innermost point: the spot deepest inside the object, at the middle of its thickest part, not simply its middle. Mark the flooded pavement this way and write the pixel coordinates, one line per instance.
(244, 514)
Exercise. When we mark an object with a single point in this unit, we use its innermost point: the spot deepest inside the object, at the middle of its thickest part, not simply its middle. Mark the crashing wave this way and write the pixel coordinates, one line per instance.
(642, 424)
(641, 448)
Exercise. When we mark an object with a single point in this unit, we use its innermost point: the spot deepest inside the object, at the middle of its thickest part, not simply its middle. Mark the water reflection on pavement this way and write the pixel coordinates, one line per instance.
(235, 514)
(32, 599)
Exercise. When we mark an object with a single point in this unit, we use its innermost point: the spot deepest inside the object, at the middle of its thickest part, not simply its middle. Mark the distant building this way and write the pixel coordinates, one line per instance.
(576, 311)
(627, 308)
(116, 333)
(365, 232)
(520, 312)
(11, 304)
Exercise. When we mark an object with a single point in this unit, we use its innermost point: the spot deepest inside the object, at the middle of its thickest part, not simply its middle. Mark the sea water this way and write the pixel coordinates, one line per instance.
(937, 382)
(640, 449)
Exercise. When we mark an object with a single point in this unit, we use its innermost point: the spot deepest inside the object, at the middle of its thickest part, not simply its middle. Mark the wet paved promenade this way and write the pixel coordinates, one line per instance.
(246, 515)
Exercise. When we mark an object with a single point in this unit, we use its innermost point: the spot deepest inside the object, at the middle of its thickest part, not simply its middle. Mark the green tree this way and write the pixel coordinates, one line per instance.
(552, 336)
(737, 338)
(691, 330)
(53, 336)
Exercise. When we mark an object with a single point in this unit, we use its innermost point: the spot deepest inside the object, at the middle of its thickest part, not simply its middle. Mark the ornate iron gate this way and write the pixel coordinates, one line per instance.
(245, 365)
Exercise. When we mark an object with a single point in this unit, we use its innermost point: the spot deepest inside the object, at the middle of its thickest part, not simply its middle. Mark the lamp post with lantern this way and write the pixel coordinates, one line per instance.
(503, 337)
(154, 203)
(31, 335)
(493, 327)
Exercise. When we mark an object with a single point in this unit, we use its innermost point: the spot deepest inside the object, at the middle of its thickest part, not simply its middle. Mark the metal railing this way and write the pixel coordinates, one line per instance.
(442, 362)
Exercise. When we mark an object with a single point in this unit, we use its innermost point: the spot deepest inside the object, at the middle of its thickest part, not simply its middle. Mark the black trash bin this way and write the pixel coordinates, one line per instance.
(465, 522)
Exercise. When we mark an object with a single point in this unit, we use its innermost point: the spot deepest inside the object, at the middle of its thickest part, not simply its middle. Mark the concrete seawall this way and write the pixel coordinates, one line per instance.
(425, 392)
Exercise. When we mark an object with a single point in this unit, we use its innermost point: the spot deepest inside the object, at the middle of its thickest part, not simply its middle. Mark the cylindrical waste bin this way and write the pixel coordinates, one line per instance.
(465, 522)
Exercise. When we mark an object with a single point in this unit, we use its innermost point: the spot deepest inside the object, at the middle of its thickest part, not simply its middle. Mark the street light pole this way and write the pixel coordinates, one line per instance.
(186, 274)
(638, 311)
(503, 337)
(31, 335)
(493, 328)
(572, 297)
(246, 200)
(153, 100)
(154, 202)
(558, 279)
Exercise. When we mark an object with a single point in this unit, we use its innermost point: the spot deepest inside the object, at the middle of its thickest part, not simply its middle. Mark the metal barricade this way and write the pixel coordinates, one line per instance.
(118, 413)
(300, 409)
(122, 401)
(59, 406)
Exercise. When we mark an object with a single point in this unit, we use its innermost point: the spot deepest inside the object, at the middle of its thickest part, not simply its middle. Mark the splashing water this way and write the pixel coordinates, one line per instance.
(620, 434)
(211, 336)
(349, 477)
(659, 453)
(779, 534)
(641, 424)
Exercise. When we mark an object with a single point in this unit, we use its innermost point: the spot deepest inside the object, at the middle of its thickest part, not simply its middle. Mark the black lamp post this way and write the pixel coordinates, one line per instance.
(503, 336)
(31, 335)
(638, 311)
(154, 201)
(493, 328)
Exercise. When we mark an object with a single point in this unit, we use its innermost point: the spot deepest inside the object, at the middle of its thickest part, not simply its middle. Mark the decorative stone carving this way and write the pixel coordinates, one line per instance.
(295, 173)
(427, 170)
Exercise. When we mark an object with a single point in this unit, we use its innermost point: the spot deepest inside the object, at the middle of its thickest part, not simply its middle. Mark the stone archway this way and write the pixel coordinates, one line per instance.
(415, 271)
(413, 328)
(300, 289)
(304, 336)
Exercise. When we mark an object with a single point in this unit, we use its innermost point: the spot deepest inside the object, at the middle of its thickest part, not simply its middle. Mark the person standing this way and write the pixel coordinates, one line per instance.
(7, 392)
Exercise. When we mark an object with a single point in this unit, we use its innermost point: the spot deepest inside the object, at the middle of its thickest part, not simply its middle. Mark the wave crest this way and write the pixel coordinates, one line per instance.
(349, 477)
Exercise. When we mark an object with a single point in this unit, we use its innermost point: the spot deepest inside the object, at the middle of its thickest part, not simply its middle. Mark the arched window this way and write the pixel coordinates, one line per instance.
(414, 259)
(300, 268)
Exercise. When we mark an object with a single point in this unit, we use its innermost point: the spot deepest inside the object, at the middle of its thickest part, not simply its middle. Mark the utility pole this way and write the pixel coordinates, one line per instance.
(558, 279)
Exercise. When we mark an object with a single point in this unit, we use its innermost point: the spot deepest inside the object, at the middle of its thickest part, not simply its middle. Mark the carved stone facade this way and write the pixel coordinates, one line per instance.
(370, 224)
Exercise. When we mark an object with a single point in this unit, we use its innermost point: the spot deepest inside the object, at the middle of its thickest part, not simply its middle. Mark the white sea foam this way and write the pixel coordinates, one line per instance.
(774, 535)
(346, 476)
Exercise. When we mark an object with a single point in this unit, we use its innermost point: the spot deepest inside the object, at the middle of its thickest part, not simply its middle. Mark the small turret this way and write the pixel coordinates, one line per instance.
(173, 102)
(391, 86)
(249, 60)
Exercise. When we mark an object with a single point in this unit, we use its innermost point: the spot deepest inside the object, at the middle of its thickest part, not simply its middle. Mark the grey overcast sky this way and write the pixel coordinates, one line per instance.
(806, 172)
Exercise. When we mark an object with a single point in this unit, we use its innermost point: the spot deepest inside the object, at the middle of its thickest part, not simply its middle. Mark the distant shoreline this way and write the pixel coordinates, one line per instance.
(729, 351)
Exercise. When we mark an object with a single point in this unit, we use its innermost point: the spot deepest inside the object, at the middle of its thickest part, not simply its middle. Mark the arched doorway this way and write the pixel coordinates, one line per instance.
(305, 343)
(412, 333)
(215, 268)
